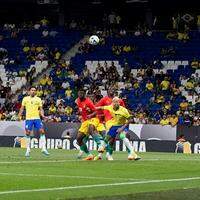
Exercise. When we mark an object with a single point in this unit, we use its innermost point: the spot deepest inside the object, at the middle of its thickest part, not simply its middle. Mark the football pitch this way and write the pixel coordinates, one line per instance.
(61, 176)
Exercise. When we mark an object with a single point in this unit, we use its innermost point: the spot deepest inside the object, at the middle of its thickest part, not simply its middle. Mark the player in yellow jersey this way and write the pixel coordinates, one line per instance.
(119, 123)
(33, 106)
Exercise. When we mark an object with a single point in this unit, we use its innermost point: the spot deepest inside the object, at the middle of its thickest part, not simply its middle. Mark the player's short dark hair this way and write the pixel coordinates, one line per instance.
(31, 87)
(82, 90)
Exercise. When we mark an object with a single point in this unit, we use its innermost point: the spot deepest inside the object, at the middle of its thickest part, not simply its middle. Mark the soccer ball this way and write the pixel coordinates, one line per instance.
(94, 40)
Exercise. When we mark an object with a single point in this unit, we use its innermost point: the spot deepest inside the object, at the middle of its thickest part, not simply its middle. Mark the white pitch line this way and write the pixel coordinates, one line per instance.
(99, 185)
(62, 161)
(67, 176)
(36, 161)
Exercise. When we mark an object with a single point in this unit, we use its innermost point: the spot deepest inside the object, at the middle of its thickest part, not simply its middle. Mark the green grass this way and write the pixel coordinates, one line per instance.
(156, 176)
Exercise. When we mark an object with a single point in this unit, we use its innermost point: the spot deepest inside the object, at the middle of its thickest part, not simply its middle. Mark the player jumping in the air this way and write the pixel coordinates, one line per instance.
(121, 118)
(33, 106)
(105, 115)
(90, 125)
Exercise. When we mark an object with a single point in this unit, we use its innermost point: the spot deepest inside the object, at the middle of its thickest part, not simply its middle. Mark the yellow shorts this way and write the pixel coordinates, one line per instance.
(95, 122)
(109, 124)
(101, 127)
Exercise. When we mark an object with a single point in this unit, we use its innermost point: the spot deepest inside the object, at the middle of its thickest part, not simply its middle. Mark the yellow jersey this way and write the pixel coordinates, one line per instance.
(120, 116)
(32, 105)
(164, 122)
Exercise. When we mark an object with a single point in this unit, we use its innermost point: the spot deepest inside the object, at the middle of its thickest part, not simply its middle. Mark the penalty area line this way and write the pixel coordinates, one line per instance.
(98, 185)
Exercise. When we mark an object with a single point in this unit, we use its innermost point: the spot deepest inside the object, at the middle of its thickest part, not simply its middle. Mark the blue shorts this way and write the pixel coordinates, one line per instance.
(33, 124)
(113, 131)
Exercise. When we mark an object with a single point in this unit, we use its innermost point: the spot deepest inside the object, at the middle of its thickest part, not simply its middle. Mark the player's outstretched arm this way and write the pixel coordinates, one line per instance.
(99, 107)
(92, 115)
(119, 130)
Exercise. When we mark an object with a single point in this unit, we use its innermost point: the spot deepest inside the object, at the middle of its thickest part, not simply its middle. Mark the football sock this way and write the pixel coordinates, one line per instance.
(98, 139)
(128, 144)
(28, 143)
(84, 148)
(109, 149)
(129, 147)
(43, 142)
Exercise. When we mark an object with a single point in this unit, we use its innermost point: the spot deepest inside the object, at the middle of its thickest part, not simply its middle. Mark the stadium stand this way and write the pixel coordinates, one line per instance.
(157, 76)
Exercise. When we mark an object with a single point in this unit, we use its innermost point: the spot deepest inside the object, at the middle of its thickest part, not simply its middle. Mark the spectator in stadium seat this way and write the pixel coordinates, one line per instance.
(127, 48)
(183, 80)
(43, 81)
(149, 85)
(183, 36)
(68, 93)
(112, 20)
(52, 108)
(160, 99)
(196, 78)
(26, 48)
(167, 106)
(189, 86)
(57, 54)
(164, 121)
(40, 92)
(37, 26)
(184, 105)
(149, 71)
(60, 108)
(165, 84)
(136, 84)
(65, 85)
(173, 120)
(172, 35)
(197, 89)
(195, 64)
(174, 89)
(1, 38)
(187, 120)
(59, 101)
(30, 75)
(53, 33)
(141, 119)
(45, 33)
(68, 111)
(14, 34)
(196, 121)
(73, 24)
(138, 31)
(126, 71)
(198, 23)
(23, 41)
(44, 21)
(122, 32)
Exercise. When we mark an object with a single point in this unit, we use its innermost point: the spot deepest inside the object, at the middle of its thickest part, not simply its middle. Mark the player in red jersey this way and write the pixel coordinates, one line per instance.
(89, 124)
(107, 117)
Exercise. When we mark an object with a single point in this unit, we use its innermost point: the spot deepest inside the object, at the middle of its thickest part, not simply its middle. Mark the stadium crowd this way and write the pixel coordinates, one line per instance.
(58, 89)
